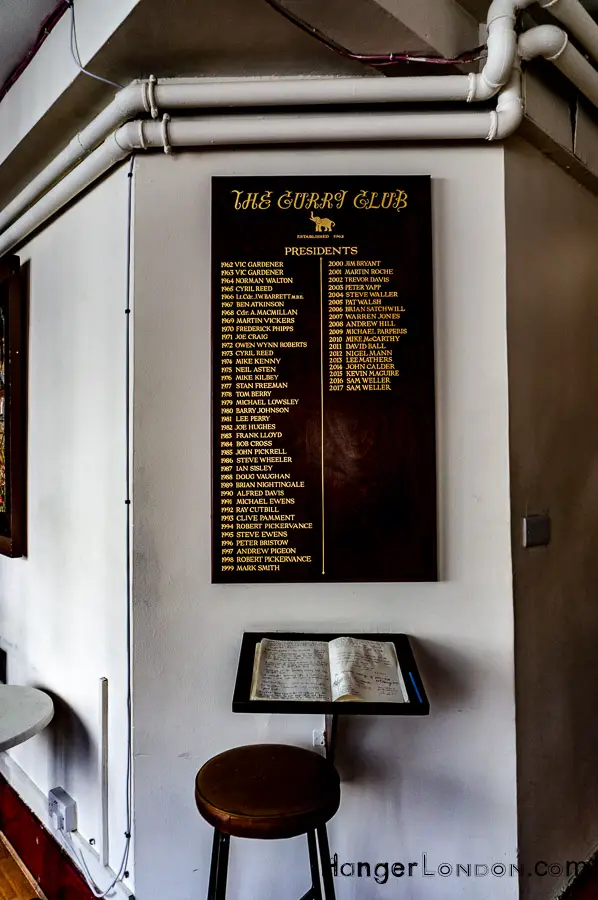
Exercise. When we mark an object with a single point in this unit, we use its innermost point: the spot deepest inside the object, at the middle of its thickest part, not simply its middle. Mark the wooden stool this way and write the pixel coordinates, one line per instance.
(269, 791)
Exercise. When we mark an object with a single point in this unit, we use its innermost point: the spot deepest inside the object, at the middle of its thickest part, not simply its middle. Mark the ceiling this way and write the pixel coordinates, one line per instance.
(20, 22)
(479, 8)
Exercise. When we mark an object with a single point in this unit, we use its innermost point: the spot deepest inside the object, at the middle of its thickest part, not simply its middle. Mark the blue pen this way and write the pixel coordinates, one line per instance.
(419, 696)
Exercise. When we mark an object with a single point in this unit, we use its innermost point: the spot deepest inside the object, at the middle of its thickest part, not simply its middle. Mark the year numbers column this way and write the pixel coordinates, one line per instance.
(227, 411)
(336, 311)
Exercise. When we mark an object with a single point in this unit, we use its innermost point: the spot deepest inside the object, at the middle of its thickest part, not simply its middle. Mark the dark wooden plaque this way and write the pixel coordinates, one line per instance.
(324, 465)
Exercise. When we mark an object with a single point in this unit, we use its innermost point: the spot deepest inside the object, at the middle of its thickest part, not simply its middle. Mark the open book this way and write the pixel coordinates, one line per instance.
(343, 669)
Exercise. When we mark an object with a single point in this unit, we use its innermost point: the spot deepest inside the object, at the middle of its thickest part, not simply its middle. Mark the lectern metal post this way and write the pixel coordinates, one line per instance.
(330, 729)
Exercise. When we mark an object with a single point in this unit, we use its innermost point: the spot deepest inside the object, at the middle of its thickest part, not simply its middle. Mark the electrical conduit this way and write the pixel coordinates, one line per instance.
(577, 20)
(151, 98)
(148, 97)
(553, 44)
(238, 130)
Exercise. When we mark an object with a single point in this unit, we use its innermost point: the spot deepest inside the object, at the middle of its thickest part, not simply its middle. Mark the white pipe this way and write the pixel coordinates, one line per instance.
(577, 20)
(139, 98)
(553, 44)
(95, 165)
(132, 101)
(104, 848)
(236, 130)
(309, 91)
(150, 97)
(127, 104)
(544, 40)
(580, 72)
(153, 97)
(217, 131)
(502, 48)
(509, 109)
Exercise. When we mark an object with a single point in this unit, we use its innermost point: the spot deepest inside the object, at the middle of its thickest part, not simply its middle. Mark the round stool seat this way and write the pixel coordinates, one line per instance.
(267, 791)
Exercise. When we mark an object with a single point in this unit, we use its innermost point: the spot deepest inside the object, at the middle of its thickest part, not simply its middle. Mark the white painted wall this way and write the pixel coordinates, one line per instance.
(62, 608)
(443, 785)
(552, 229)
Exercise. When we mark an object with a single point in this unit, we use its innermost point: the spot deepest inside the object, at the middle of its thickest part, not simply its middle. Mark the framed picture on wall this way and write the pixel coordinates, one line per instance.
(13, 407)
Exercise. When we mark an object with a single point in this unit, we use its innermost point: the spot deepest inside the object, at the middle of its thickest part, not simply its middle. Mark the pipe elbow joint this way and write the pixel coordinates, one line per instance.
(502, 53)
(509, 111)
(483, 89)
(128, 138)
(506, 9)
(548, 41)
(129, 101)
(508, 119)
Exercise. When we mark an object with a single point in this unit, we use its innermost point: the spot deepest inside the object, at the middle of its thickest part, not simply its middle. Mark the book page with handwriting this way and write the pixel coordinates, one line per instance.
(365, 670)
(292, 670)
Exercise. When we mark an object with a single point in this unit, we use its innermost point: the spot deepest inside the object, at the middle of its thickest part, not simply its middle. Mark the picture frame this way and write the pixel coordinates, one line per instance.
(13, 407)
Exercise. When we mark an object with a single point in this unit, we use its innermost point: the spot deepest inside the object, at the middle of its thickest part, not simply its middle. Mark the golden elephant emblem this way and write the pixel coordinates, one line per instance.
(322, 224)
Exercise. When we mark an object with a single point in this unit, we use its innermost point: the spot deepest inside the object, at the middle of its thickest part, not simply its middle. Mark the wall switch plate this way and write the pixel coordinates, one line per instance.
(62, 809)
(536, 531)
(319, 738)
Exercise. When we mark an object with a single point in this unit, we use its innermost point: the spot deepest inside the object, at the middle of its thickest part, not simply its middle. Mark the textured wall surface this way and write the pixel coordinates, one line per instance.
(62, 608)
(552, 228)
(445, 785)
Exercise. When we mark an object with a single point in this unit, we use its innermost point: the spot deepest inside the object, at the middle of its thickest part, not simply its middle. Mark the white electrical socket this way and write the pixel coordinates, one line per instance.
(62, 809)
(319, 738)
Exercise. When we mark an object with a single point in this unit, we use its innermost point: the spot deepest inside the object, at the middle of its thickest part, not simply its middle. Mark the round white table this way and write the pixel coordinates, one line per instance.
(24, 711)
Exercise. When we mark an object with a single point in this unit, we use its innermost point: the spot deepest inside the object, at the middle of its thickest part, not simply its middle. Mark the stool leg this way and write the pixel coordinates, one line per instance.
(316, 887)
(327, 876)
(218, 866)
(214, 865)
(222, 871)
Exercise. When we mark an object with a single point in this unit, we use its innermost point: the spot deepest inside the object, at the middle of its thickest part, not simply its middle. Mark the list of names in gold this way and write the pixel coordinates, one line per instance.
(259, 309)
(323, 410)
(363, 325)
